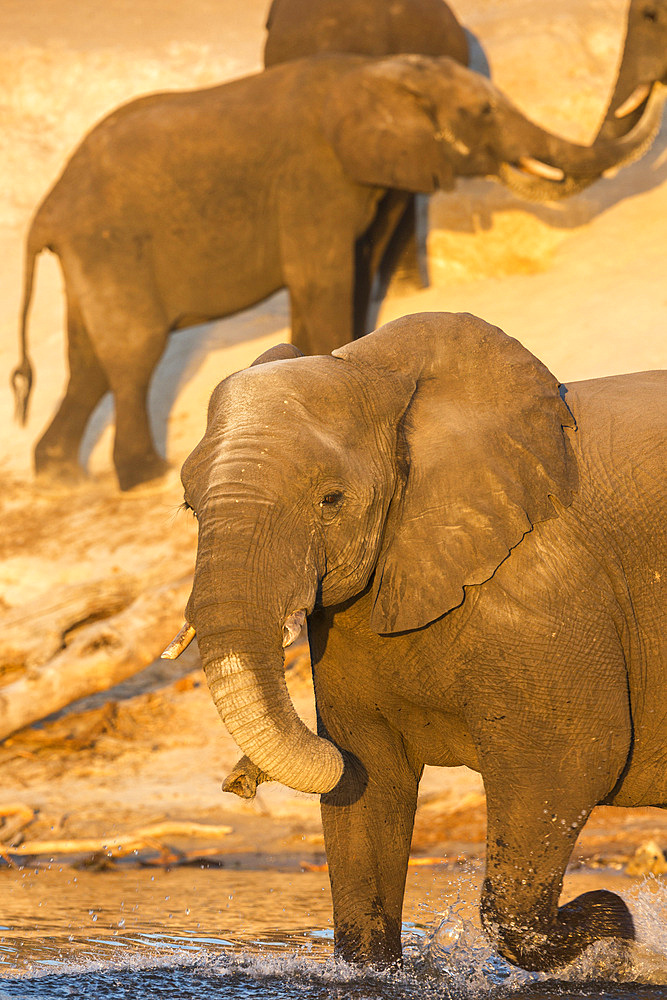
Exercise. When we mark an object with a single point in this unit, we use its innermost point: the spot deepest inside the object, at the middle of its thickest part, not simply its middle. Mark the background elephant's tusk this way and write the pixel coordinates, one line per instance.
(292, 627)
(541, 169)
(639, 94)
(180, 642)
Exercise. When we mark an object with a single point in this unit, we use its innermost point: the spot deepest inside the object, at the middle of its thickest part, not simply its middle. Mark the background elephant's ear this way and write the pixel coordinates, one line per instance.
(383, 128)
(482, 449)
(281, 352)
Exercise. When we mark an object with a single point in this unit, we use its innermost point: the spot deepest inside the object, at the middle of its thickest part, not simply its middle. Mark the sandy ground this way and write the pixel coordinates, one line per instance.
(582, 284)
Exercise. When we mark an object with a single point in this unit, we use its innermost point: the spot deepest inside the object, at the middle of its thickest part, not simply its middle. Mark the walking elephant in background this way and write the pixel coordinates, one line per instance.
(643, 65)
(183, 207)
(480, 556)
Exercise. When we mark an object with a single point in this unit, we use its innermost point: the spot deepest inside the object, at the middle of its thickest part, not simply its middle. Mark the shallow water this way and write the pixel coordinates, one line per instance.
(215, 933)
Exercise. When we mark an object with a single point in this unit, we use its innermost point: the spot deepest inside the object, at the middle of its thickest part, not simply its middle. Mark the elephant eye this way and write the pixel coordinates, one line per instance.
(332, 499)
(650, 14)
(186, 506)
(330, 505)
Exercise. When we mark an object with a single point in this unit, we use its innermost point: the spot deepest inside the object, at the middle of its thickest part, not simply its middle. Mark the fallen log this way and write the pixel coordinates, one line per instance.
(99, 656)
(120, 845)
(31, 635)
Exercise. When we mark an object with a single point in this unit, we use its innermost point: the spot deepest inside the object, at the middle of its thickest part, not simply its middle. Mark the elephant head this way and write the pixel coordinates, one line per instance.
(643, 65)
(417, 123)
(405, 467)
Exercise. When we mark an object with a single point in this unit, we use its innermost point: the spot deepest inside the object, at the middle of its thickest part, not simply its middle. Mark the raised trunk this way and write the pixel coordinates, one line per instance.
(643, 65)
(582, 165)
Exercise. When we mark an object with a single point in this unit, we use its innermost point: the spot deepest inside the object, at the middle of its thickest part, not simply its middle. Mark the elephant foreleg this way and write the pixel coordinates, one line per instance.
(368, 820)
(404, 260)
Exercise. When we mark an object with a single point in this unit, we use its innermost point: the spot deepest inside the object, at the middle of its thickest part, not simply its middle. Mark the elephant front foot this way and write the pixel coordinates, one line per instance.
(141, 471)
(546, 946)
(53, 467)
(244, 779)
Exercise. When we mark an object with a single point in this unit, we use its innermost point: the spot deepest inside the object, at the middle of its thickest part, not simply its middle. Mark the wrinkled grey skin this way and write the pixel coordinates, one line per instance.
(643, 65)
(482, 561)
(298, 28)
(183, 207)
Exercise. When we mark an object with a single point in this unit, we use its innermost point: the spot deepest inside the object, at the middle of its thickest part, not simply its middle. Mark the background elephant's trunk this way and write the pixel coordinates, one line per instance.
(643, 65)
(583, 165)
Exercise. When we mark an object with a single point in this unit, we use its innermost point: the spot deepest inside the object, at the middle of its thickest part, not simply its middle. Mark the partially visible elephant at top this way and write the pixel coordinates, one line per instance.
(184, 207)
(480, 555)
(299, 28)
(643, 65)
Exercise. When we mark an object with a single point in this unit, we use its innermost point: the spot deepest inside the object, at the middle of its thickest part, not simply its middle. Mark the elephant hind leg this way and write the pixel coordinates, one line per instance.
(529, 844)
(129, 331)
(57, 451)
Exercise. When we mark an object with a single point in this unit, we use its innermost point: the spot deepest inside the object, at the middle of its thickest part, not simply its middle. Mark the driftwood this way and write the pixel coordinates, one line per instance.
(15, 816)
(31, 636)
(98, 655)
(144, 836)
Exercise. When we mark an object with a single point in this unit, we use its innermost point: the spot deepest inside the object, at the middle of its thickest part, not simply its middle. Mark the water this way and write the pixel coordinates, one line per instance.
(219, 933)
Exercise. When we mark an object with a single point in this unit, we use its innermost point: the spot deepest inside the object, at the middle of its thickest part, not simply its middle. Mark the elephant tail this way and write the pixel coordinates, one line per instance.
(22, 377)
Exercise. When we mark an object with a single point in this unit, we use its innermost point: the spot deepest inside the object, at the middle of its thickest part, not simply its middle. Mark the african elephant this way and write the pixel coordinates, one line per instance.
(643, 65)
(183, 207)
(480, 555)
(299, 28)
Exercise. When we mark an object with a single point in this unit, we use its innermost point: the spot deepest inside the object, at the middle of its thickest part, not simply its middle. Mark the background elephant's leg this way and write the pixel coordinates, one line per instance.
(368, 820)
(57, 451)
(374, 257)
(530, 836)
(404, 261)
(322, 310)
(130, 337)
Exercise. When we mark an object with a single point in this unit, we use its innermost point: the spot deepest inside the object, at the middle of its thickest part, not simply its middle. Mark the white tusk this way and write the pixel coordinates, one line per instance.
(292, 627)
(631, 103)
(541, 169)
(180, 642)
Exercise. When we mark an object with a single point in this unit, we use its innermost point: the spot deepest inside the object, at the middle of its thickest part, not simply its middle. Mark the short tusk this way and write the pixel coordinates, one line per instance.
(541, 169)
(180, 642)
(631, 103)
(292, 627)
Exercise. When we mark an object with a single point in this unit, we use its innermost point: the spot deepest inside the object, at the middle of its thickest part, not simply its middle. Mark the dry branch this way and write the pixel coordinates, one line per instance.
(124, 844)
(99, 656)
(31, 635)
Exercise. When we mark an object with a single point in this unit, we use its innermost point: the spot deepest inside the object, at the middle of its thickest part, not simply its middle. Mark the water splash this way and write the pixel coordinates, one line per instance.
(459, 953)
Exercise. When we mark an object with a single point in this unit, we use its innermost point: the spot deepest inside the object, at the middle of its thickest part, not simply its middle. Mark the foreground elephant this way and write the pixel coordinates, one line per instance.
(643, 65)
(480, 554)
(179, 208)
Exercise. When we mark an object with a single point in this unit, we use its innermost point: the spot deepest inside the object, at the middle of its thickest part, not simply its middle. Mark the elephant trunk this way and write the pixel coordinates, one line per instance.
(582, 165)
(241, 649)
(643, 65)
(251, 696)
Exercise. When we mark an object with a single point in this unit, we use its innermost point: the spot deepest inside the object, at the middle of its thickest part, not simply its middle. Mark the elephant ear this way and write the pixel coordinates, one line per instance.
(281, 352)
(383, 126)
(481, 451)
